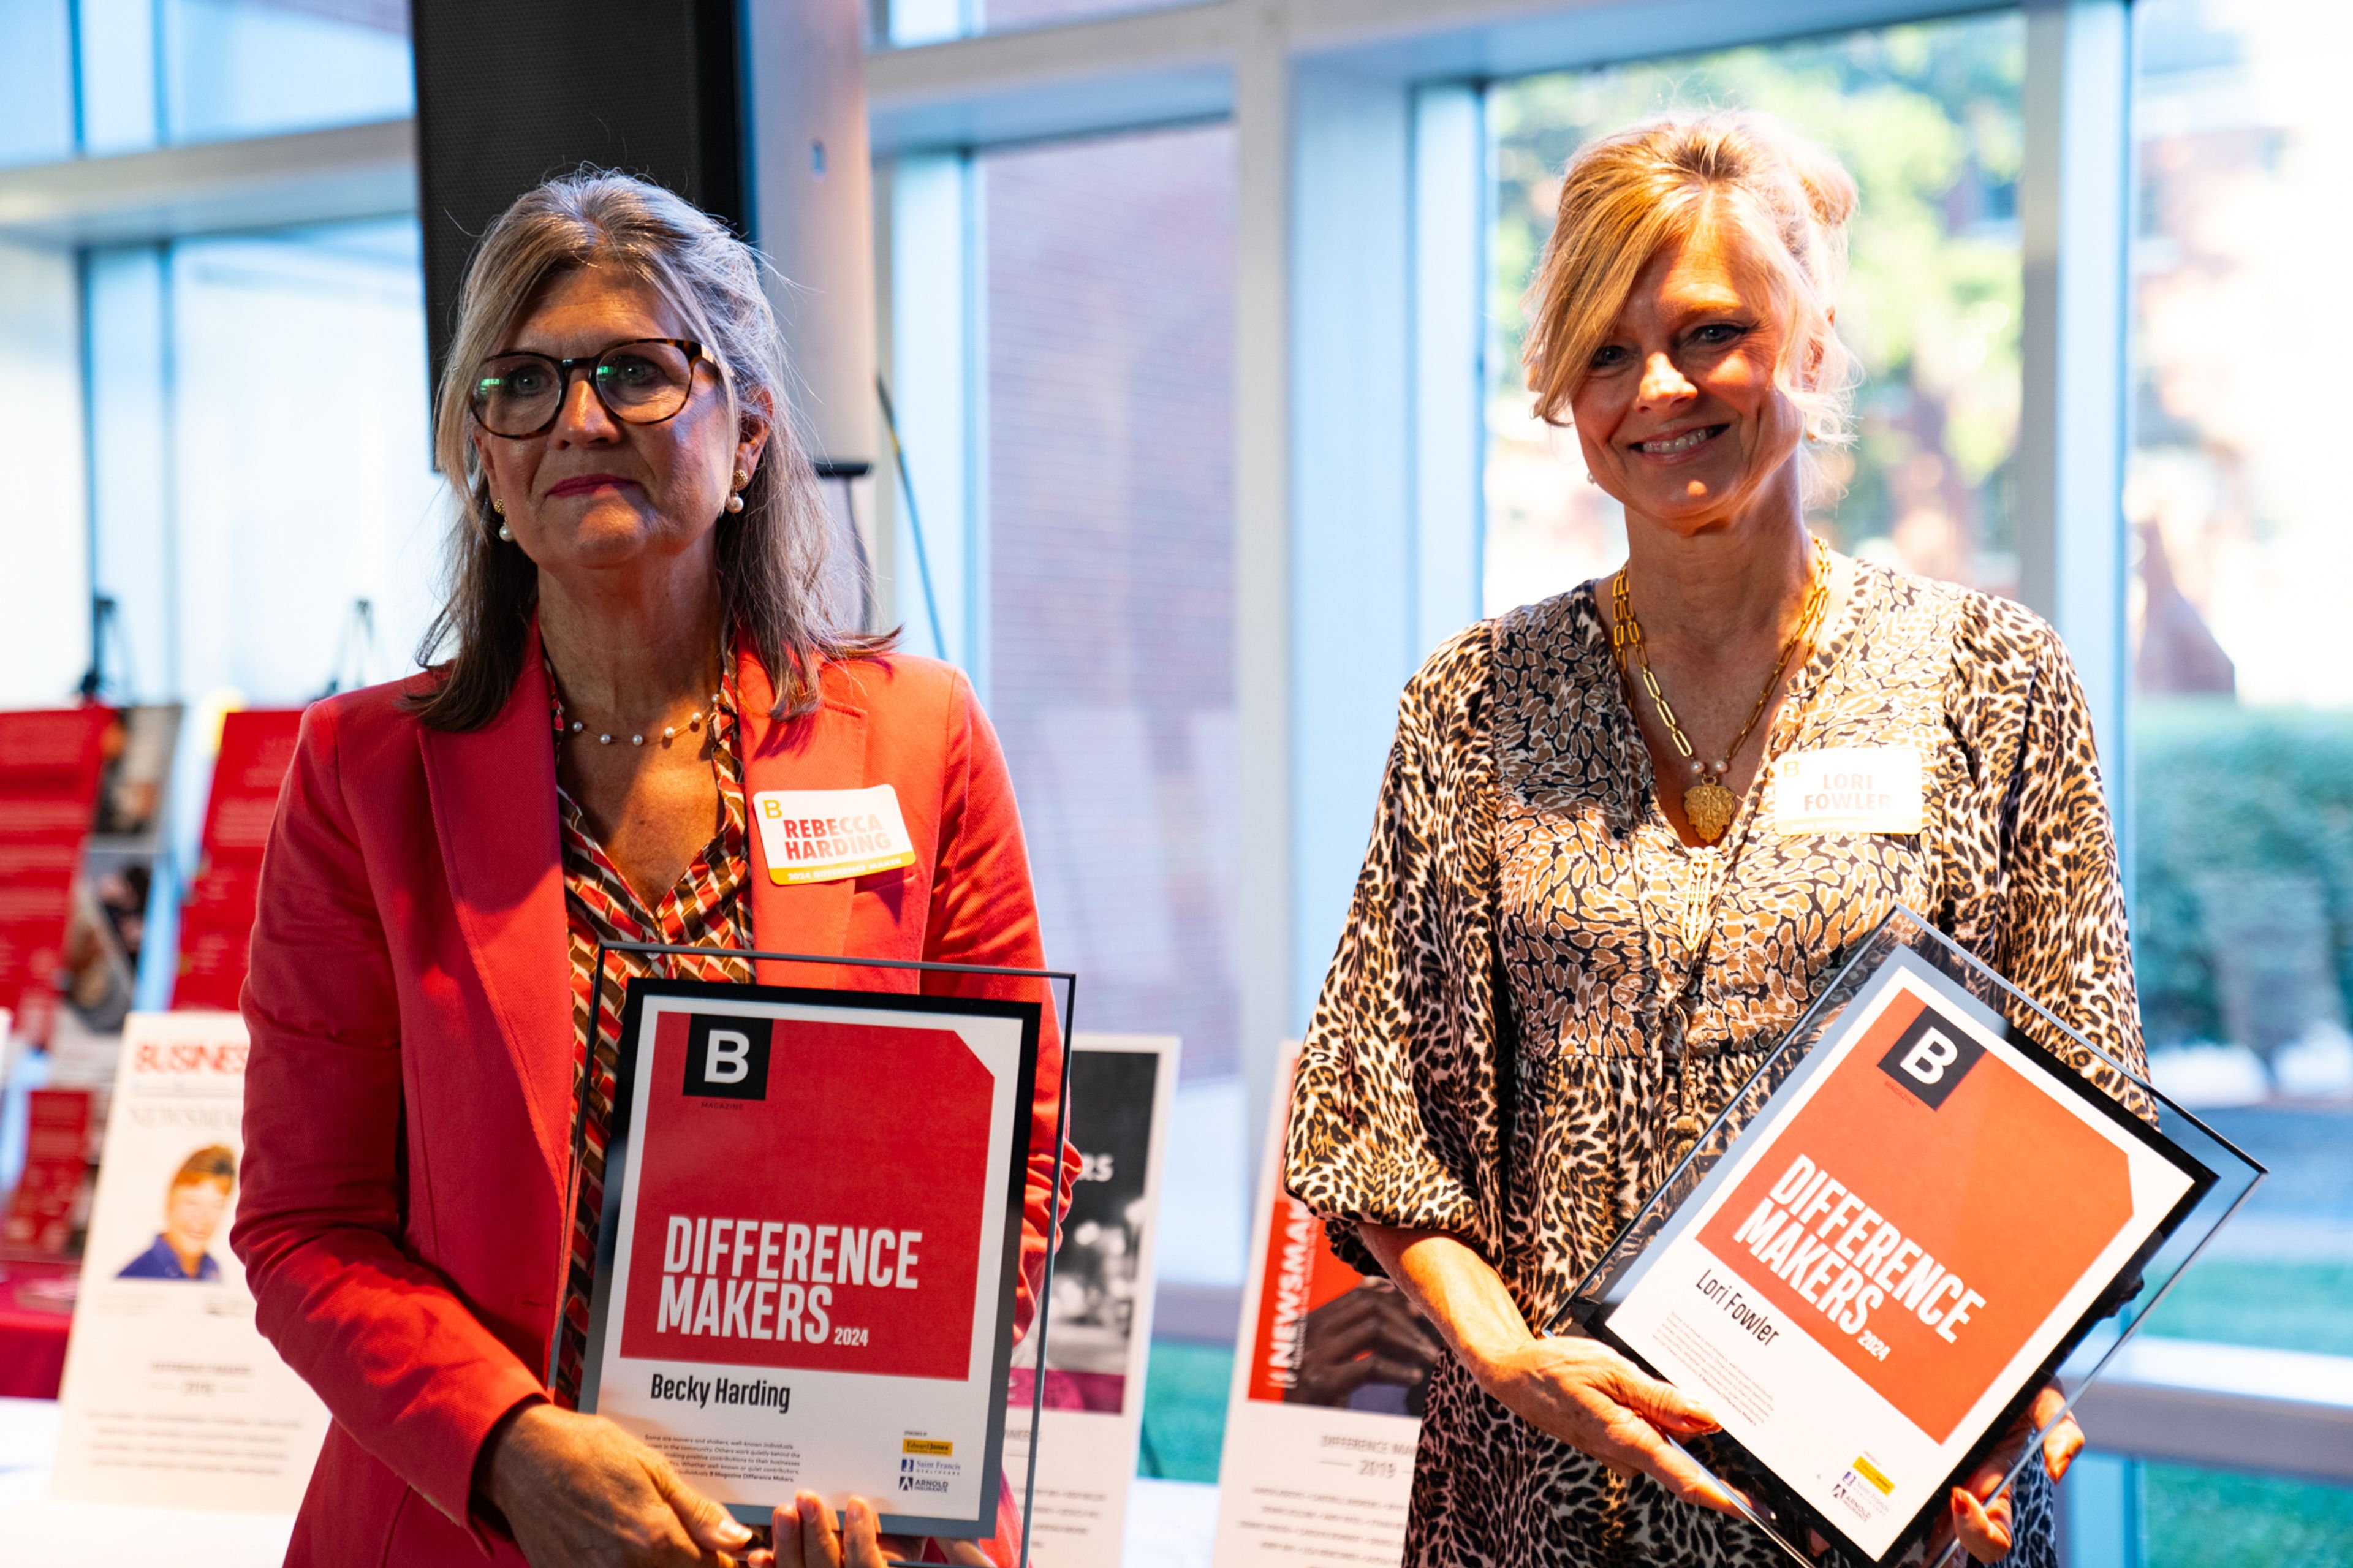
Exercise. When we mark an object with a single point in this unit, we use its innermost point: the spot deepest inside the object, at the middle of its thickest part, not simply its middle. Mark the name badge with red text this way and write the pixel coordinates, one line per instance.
(824, 834)
(1848, 789)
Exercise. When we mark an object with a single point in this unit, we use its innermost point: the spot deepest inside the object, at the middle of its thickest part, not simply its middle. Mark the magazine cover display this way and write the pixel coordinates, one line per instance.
(1914, 1217)
(1324, 1416)
(172, 1397)
(1121, 1089)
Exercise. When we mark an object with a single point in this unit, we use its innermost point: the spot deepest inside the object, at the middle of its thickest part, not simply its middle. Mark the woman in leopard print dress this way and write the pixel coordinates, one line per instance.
(1525, 1027)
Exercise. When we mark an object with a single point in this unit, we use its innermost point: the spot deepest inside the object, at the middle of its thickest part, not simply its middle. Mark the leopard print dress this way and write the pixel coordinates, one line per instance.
(1514, 1045)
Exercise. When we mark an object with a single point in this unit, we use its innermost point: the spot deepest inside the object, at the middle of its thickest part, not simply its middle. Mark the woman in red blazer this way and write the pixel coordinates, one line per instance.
(640, 648)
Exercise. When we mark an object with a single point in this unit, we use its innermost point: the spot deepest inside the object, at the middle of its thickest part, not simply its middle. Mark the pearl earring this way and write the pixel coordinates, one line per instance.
(506, 533)
(734, 503)
(1589, 476)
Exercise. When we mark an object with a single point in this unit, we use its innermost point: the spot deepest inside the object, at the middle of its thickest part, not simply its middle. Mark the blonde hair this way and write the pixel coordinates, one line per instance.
(1623, 198)
(775, 557)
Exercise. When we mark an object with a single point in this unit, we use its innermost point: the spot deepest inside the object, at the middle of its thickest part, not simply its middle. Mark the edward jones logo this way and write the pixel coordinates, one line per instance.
(727, 1057)
(926, 1465)
(1930, 1057)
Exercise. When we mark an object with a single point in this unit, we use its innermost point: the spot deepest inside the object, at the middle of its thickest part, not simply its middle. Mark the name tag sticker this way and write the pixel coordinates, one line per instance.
(824, 834)
(1848, 789)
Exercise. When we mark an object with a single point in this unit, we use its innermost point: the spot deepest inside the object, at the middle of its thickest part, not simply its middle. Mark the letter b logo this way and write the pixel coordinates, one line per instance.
(1930, 1059)
(1927, 1060)
(727, 1057)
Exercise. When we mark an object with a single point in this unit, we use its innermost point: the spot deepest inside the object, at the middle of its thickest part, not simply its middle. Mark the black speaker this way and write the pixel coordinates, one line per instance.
(510, 92)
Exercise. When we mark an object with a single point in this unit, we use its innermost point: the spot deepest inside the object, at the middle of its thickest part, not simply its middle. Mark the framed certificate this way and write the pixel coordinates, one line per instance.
(806, 1264)
(1919, 1214)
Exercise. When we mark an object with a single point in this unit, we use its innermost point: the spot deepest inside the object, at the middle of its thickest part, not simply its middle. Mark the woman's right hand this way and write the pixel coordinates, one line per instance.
(579, 1490)
(1592, 1398)
(806, 1537)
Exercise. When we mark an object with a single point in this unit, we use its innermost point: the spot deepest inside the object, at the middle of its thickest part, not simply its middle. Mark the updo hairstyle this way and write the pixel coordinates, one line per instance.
(774, 558)
(1625, 197)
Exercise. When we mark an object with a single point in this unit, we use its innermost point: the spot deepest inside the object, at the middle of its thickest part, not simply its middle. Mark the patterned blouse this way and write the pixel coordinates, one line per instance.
(707, 908)
(1515, 1041)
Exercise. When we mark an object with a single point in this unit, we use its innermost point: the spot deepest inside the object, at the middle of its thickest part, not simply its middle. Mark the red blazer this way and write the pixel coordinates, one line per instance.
(409, 1096)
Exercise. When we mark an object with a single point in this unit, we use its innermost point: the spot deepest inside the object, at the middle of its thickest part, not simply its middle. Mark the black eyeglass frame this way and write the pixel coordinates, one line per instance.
(695, 354)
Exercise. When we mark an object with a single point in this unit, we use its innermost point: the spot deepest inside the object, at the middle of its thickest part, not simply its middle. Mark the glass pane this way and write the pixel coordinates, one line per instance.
(1109, 483)
(999, 15)
(1926, 118)
(2217, 1519)
(242, 68)
(2242, 717)
(35, 80)
(44, 553)
(300, 474)
(283, 378)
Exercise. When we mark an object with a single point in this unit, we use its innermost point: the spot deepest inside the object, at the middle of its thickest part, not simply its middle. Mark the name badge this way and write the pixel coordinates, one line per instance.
(1848, 789)
(824, 834)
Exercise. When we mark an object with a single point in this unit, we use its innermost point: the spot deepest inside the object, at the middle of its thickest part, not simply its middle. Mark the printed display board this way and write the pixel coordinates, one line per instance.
(805, 1271)
(57, 1159)
(50, 765)
(1326, 1409)
(172, 1397)
(1101, 1345)
(1899, 1246)
(257, 747)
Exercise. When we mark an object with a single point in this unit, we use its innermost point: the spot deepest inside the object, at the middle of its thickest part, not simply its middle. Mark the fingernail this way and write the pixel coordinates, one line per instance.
(733, 1533)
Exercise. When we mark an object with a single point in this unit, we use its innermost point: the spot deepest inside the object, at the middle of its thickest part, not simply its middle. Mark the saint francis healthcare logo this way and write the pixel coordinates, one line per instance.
(726, 1056)
(1930, 1059)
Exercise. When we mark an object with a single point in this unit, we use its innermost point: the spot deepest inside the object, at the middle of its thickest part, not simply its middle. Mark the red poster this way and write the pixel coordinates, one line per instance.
(850, 1239)
(1298, 1273)
(257, 747)
(56, 1160)
(49, 767)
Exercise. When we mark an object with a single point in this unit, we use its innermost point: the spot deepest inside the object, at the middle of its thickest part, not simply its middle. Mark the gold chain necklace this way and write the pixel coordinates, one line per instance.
(1707, 804)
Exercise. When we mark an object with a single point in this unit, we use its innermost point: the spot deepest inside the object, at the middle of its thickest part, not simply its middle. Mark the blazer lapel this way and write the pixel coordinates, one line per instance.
(494, 793)
(823, 750)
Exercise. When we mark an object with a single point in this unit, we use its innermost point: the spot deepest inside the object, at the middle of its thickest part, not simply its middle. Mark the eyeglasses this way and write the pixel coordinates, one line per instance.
(642, 382)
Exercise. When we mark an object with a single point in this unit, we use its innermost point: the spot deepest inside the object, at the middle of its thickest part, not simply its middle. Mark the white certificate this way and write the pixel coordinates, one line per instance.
(811, 1235)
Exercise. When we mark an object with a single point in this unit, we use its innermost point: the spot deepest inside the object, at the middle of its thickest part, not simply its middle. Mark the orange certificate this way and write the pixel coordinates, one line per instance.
(1910, 1232)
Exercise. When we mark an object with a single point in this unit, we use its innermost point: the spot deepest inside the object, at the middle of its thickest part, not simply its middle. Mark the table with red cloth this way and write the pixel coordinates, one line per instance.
(32, 1332)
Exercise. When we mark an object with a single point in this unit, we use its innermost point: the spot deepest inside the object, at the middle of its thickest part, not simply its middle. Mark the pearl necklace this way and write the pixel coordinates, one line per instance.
(605, 738)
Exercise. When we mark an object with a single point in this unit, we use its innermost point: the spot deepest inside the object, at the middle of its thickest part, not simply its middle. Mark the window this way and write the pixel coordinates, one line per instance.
(2243, 716)
(241, 67)
(36, 81)
(161, 71)
(258, 412)
(932, 21)
(1110, 524)
(1926, 118)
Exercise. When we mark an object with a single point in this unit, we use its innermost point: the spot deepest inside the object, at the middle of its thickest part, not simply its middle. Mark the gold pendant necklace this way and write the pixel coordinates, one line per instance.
(1708, 806)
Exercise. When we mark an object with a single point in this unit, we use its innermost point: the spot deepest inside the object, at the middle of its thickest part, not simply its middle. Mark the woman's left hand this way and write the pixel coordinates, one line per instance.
(1982, 1527)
